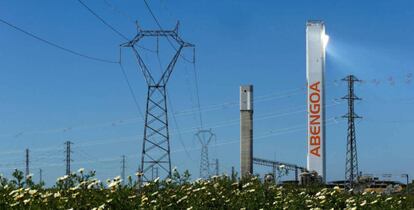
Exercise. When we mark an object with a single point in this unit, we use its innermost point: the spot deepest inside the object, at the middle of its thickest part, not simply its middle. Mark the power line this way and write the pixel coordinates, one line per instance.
(102, 20)
(218, 124)
(267, 134)
(197, 90)
(56, 45)
(109, 25)
(270, 133)
(117, 10)
(121, 66)
(178, 128)
(119, 62)
(159, 26)
(153, 15)
(131, 90)
(208, 108)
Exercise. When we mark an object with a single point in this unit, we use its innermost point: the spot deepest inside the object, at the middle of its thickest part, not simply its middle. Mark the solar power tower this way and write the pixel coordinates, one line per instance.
(156, 141)
(316, 43)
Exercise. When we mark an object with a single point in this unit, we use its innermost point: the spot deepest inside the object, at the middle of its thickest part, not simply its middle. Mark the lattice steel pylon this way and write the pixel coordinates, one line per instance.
(351, 165)
(205, 137)
(156, 141)
(68, 159)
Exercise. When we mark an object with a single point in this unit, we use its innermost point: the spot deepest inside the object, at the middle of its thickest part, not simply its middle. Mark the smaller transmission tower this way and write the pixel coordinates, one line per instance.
(68, 153)
(205, 137)
(215, 164)
(40, 176)
(27, 163)
(123, 167)
(351, 168)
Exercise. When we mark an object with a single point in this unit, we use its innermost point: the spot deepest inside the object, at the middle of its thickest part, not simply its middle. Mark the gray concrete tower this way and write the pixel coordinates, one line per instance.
(246, 130)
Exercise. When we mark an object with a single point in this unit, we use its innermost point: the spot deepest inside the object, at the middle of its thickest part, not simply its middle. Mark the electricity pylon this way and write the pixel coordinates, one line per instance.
(27, 163)
(68, 153)
(156, 141)
(123, 168)
(351, 168)
(204, 137)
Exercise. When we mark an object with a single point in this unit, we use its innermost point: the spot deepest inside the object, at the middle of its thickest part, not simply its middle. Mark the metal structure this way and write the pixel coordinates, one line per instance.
(204, 137)
(351, 166)
(27, 163)
(316, 41)
(123, 167)
(156, 141)
(68, 153)
(40, 176)
(233, 173)
(246, 130)
(407, 190)
(216, 165)
(276, 164)
(154, 172)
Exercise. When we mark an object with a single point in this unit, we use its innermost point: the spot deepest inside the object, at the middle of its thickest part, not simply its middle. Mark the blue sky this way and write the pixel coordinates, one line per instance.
(49, 96)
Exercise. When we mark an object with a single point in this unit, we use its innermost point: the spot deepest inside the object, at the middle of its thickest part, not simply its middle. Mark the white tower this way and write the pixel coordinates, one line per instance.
(316, 41)
(246, 130)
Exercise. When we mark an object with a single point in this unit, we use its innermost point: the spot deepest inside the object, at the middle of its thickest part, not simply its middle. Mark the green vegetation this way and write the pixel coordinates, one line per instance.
(82, 191)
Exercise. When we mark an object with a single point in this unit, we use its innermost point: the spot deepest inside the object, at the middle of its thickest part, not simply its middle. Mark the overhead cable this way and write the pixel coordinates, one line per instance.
(56, 45)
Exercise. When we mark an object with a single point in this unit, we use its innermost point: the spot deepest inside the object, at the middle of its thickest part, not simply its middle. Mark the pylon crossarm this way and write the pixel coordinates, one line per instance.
(132, 42)
(180, 41)
(157, 33)
(354, 97)
(167, 73)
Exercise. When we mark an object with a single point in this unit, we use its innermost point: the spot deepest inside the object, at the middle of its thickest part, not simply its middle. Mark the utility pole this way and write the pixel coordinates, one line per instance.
(215, 164)
(40, 176)
(351, 168)
(123, 170)
(27, 163)
(68, 159)
(407, 182)
(217, 167)
(233, 174)
(204, 137)
(139, 179)
(156, 141)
